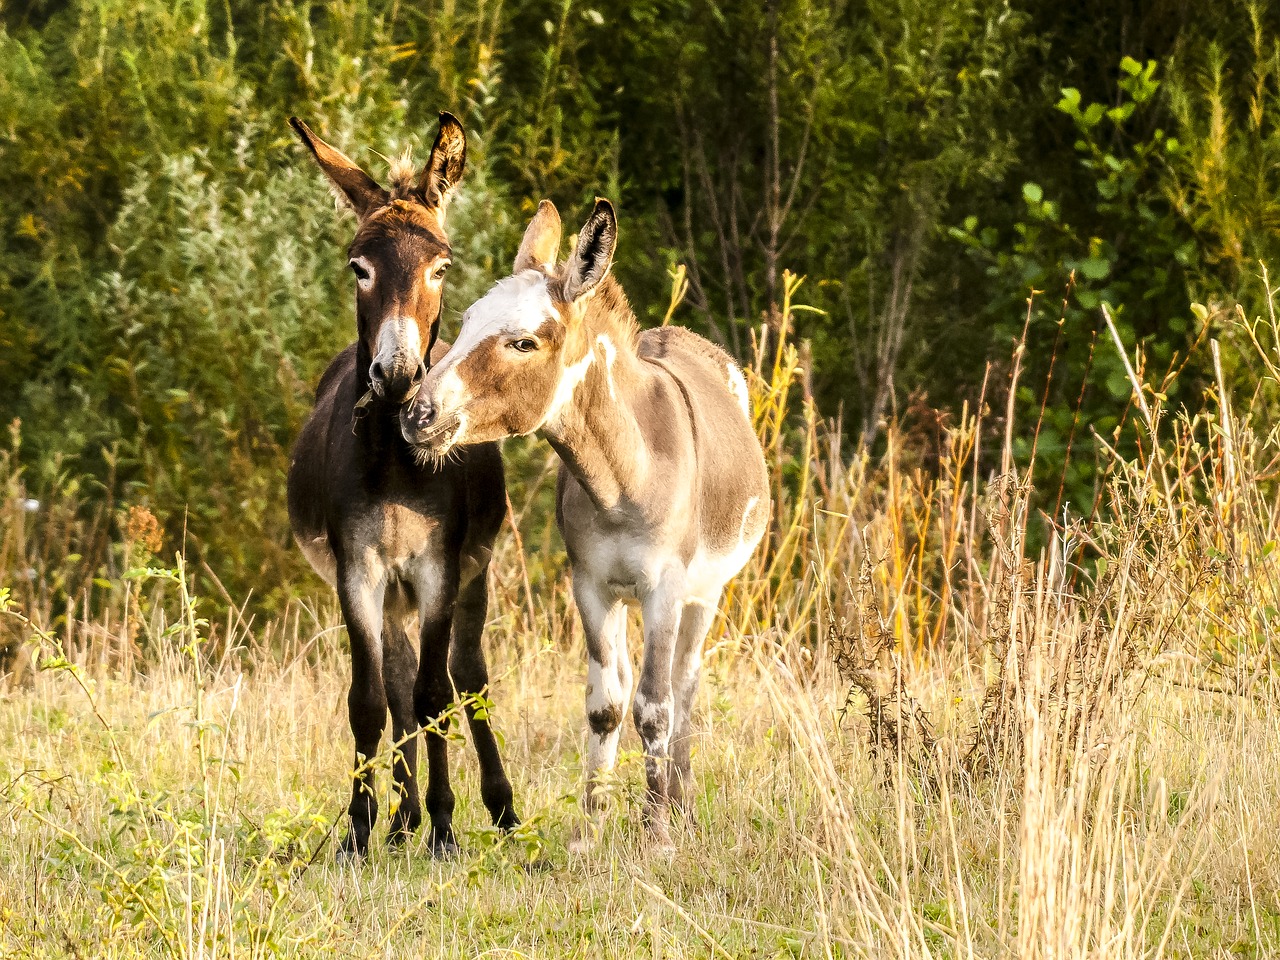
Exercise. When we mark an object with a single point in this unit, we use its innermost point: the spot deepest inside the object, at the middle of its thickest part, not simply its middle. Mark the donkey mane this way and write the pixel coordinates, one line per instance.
(403, 177)
(609, 312)
(661, 341)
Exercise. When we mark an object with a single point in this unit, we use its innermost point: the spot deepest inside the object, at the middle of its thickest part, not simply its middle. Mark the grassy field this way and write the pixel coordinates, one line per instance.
(918, 736)
(171, 814)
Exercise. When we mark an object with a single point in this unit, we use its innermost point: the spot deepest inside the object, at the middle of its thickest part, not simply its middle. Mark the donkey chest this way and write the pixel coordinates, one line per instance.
(624, 563)
(624, 550)
(400, 537)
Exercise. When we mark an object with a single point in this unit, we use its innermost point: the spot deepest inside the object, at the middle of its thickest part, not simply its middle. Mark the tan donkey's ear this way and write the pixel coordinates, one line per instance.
(541, 244)
(359, 189)
(443, 172)
(590, 262)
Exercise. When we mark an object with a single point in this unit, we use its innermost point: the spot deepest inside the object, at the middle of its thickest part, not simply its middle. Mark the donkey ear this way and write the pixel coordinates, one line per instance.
(445, 165)
(359, 189)
(541, 243)
(590, 262)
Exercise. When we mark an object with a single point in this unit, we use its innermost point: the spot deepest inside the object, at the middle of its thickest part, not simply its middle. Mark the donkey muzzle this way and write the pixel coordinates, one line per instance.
(398, 383)
(436, 438)
(398, 369)
(422, 424)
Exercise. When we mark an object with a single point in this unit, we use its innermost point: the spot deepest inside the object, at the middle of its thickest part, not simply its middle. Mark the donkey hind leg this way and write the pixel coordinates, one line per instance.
(604, 622)
(471, 677)
(360, 595)
(399, 670)
(432, 696)
(686, 672)
(654, 702)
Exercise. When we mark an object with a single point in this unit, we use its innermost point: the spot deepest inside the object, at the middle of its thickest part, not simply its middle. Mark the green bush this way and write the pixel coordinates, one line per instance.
(171, 270)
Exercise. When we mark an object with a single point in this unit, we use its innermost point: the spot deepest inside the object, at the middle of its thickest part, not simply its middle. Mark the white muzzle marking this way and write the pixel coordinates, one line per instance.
(399, 347)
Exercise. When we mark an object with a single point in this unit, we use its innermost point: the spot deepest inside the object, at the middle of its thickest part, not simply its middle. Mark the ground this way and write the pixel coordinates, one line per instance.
(168, 823)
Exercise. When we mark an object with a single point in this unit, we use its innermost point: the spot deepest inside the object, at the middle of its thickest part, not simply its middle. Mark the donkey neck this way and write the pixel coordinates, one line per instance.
(373, 425)
(593, 423)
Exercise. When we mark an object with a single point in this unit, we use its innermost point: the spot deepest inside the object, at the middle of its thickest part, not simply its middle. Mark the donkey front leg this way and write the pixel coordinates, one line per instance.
(360, 595)
(471, 677)
(432, 696)
(604, 621)
(399, 672)
(654, 704)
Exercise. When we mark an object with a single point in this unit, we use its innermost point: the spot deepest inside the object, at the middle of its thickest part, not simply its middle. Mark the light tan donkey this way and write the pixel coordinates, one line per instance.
(663, 493)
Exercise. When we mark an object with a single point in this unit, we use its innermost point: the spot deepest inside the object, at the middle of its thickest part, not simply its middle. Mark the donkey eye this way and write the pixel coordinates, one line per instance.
(440, 271)
(524, 345)
(361, 272)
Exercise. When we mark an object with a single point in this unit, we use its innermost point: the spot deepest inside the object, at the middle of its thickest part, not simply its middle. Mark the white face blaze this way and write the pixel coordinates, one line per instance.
(518, 306)
(513, 306)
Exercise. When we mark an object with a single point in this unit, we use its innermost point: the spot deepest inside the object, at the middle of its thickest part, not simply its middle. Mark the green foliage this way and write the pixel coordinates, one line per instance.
(171, 280)
(1051, 278)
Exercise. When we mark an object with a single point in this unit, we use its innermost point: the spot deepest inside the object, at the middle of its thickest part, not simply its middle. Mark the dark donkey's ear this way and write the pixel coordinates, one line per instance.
(591, 259)
(445, 165)
(359, 189)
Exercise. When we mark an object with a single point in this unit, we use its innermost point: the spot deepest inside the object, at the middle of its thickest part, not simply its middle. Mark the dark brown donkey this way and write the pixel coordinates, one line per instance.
(396, 534)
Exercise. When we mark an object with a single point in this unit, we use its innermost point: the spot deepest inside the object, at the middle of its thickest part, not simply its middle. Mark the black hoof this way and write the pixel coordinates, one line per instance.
(402, 828)
(443, 846)
(351, 850)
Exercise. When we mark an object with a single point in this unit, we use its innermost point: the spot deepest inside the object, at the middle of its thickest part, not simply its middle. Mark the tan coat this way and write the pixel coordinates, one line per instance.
(663, 491)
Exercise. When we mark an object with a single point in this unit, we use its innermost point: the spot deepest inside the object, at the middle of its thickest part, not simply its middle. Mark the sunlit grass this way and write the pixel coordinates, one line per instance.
(917, 737)
(798, 845)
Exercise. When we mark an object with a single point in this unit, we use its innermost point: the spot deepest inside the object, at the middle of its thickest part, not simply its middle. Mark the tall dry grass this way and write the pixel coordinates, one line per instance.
(921, 737)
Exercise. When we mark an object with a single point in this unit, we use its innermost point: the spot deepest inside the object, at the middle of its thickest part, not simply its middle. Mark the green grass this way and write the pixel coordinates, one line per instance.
(221, 831)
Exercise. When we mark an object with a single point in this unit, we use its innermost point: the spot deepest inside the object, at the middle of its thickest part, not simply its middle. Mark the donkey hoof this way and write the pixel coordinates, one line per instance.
(584, 838)
(402, 828)
(350, 851)
(443, 846)
(658, 840)
(662, 849)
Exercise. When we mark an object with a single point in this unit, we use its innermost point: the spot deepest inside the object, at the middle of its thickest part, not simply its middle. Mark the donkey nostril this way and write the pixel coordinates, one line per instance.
(419, 374)
(376, 372)
(428, 415)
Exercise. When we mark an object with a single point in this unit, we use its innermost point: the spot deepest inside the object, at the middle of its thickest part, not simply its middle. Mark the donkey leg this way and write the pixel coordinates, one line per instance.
(399, 669)
(654, 703)
(432, 696)
(608, 681)
(360, 595)
(471, 677)
(686, 672)
(604, 621)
